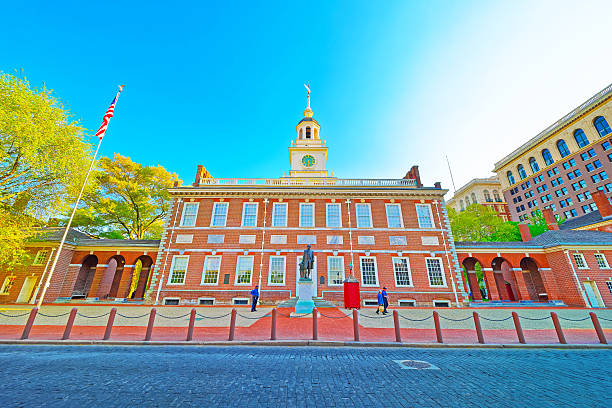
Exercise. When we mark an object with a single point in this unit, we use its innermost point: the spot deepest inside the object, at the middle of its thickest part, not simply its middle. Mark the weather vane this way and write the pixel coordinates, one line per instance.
(307, 88)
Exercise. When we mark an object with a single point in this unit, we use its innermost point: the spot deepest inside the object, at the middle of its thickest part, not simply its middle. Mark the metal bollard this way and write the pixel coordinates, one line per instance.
(598, 329)
(191, 325)
(69, 324)
(273, 325)
(150, 326)
(558, 328)
(398, 334)
(356, 324)
(29, 323)
(519, 329)
(232, 328)
(436, 318)
(315, 324)
(109, 324)
(478, 328)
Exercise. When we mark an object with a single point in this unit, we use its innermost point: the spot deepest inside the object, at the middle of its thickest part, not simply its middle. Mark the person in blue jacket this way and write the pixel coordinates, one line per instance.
(255, 295)
(380, 301)
(385, 300)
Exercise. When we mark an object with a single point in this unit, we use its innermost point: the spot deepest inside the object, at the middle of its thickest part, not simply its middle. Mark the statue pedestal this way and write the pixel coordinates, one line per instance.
(305, 304)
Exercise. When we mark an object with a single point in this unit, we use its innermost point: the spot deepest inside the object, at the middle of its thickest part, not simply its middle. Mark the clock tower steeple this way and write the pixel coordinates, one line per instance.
(308, 154)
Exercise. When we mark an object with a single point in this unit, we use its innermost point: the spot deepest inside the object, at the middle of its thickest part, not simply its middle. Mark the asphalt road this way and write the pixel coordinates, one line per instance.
(150, 376)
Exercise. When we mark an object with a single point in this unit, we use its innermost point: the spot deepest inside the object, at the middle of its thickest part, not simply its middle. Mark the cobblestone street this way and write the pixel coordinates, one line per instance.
(148, 376)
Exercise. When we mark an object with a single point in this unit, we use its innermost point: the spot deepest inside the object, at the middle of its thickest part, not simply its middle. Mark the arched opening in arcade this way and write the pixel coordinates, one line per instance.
(109, 284)
(140, 277)
(533, 280)
(85, 277)
(473, 276)
(504, 279)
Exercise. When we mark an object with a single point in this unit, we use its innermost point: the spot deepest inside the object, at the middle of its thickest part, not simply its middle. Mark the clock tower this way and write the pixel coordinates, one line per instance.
(308, 154)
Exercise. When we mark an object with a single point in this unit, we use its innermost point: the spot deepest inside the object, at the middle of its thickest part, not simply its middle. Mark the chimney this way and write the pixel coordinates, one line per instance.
(551, 221)
(413, 173)
(198, 175)
(438, 185)
(602, 203)
(525, 233)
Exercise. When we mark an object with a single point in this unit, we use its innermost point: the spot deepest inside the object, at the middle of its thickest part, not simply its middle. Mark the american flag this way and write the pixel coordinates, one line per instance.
(109, 114)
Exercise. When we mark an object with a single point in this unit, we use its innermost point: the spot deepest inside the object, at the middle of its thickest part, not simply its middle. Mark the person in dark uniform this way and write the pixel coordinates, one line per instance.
(385, 300)
(255, 295)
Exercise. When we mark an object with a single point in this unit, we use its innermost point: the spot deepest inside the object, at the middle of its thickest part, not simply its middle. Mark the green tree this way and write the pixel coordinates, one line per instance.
(481, 223)
(129, 200)
(43, 159)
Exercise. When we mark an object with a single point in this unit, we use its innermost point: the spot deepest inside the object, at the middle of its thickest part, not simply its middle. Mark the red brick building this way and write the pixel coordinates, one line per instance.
(224, 236)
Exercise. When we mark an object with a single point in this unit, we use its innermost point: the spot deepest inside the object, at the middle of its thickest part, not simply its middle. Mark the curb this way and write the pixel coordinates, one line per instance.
(304, 343)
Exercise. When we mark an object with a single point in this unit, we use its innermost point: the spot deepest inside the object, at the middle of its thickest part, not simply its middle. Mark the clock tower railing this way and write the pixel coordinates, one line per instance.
(308, 181)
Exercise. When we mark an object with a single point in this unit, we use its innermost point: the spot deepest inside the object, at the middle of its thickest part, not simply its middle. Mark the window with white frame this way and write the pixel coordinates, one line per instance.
(394, 216)
(244, 270)
(364, 217)
(401, 270)
(279, 214)
(212, 265)
(171, 301)
(9, 281)
(424, 216)
(580, 262)
(333, 215)
(40, 258)
(178, 269)
(219, 215)
(249, 214)
(306, 214)
(277, 270)
(190, 212)
(369, 275)
(435, 272)
(602, 262)
(609, 285)
(335, 270)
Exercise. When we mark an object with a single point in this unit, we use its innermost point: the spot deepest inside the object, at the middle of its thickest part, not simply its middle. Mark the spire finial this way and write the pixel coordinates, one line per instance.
(308, 111)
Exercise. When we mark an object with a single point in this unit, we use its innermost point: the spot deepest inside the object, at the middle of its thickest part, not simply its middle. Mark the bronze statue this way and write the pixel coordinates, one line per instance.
(307, 263)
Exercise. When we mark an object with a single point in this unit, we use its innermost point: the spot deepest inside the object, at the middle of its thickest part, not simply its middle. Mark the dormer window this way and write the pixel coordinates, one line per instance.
(308, 133)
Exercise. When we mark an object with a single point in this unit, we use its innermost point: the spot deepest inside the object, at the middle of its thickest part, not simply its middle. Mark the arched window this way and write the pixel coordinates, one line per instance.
(547, 157)
(581, 138)
(461, 204)
(487, 196)
(301, 134)
(521, 171)
(496, 196)
(510, 177)
(534, 165)
(308, 134)
(474, 201)
(562, 146)
(602, 126)
(467, 201)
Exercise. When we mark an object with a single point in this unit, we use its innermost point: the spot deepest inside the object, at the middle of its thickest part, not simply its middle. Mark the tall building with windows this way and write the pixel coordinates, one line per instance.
(223, 236)
(562, 166)
(484, 191)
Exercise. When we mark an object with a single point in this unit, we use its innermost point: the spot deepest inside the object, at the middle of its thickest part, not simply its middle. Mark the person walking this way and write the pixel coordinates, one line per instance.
(385, 300)
(379, 297)
(255, 298)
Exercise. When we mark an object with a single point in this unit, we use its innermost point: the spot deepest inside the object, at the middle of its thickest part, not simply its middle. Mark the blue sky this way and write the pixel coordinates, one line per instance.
(394, 83)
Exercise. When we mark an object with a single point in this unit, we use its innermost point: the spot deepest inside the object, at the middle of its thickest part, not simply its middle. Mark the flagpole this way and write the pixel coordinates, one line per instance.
(76, 204)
